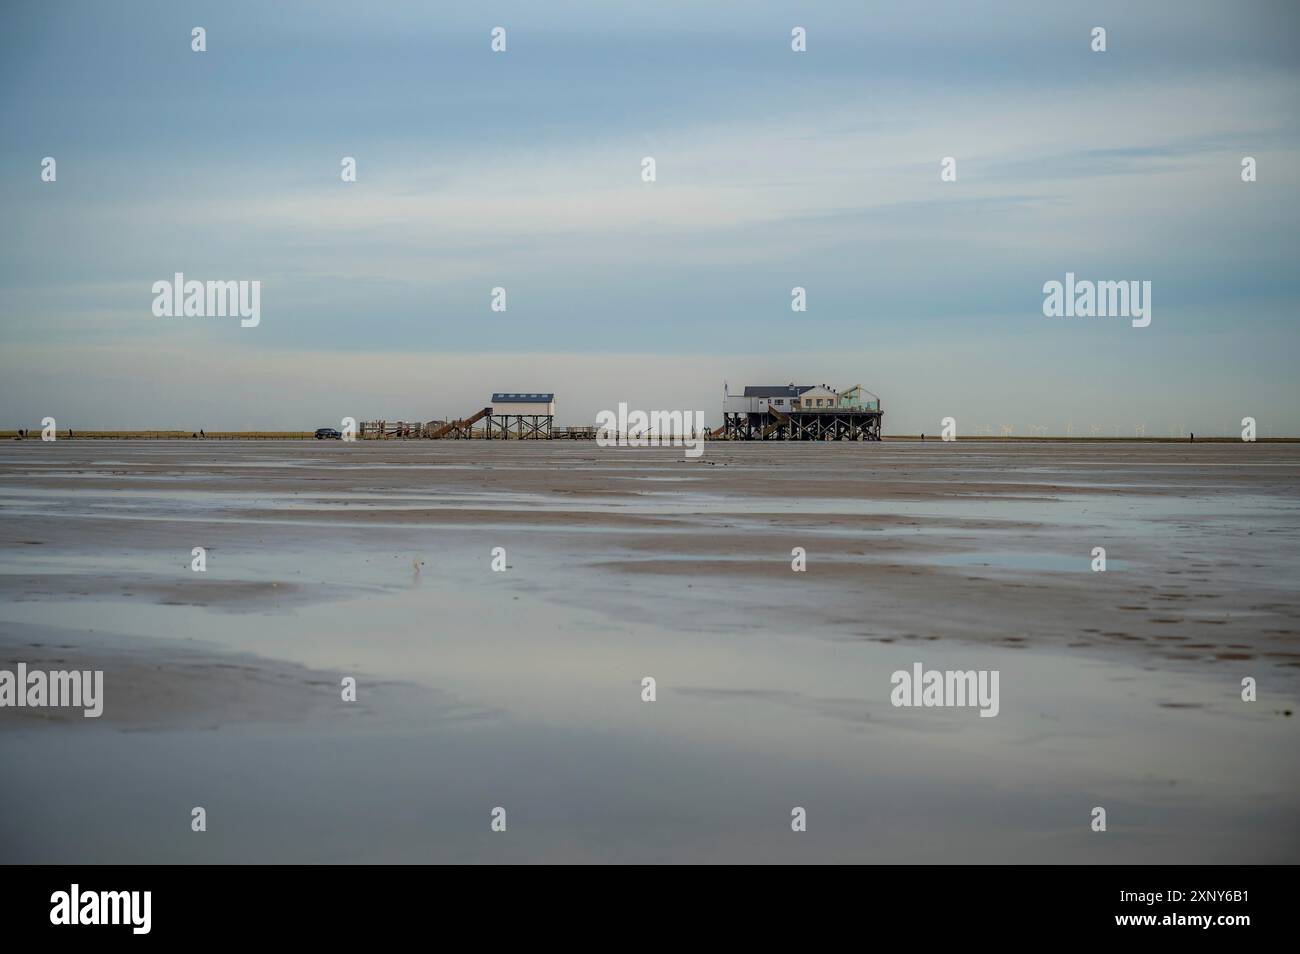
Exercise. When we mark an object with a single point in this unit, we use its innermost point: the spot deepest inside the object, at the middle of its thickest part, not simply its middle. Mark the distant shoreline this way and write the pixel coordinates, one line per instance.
(173, 435)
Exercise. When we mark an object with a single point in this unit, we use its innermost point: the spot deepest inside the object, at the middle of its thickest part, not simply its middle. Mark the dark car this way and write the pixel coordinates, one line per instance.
(328, 434)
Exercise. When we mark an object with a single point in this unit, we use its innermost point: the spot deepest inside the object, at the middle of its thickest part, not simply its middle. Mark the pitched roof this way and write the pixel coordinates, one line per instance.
(519, 397)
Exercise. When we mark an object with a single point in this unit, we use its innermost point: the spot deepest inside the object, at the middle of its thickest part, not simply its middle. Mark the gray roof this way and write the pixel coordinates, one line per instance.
(521, 397)
(777, 390)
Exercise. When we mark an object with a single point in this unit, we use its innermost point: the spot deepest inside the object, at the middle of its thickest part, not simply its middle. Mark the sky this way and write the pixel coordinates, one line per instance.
(774, 169)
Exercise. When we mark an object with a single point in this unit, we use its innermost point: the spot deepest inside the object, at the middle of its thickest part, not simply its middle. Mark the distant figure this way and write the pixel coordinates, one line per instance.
(201, 434)
(69, 433)
(1191, 439)
(922, 437)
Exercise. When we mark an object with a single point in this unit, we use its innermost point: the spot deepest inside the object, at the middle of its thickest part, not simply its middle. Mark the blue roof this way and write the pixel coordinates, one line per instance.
(521, 397)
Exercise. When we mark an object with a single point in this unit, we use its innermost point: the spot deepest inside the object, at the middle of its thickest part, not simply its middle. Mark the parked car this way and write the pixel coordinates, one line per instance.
(328, 434)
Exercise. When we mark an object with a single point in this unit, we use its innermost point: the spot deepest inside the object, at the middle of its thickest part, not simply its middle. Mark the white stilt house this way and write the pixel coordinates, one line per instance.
(521, 415)
(801, 412)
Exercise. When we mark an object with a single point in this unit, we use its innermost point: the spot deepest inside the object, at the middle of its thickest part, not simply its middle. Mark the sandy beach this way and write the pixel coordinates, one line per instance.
(522, 688)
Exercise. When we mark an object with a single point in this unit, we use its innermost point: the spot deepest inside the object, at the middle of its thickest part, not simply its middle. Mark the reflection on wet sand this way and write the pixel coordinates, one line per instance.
(522, 688)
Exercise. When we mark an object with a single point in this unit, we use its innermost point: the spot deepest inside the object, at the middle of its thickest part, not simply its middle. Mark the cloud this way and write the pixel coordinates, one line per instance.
(773, 170)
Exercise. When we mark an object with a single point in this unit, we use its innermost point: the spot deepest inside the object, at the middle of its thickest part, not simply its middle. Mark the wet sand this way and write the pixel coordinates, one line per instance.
(522, 688)
(172, 684)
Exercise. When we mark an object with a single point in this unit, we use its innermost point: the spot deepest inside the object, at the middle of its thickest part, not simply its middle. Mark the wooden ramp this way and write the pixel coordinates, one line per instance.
(460, 429)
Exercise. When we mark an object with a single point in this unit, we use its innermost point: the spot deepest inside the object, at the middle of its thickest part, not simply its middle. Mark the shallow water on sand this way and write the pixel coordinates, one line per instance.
(773, 687)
